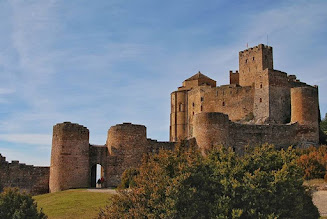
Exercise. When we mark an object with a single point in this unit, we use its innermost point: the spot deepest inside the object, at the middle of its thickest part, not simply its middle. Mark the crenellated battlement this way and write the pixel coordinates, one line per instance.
(29, 178)
(256, 48)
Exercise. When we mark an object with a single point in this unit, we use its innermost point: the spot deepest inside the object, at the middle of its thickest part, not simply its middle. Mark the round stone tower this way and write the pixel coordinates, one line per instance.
(69, 157)
(211, 129)
(305, 111)
(126, 144)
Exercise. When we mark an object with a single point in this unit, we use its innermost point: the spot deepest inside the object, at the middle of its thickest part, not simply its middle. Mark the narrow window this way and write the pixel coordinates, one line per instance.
(193, 104)
(180, 107)
(201, 108)
(223, 103)
(193, 113)
(253, 58)
(260, 85)
(260, 100)
(201, 99)
(246, 61)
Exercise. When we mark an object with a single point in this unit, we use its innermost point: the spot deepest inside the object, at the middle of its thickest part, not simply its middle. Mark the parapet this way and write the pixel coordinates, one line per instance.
(70, 130)
(256, 48)
(70, 126)
(211, 118)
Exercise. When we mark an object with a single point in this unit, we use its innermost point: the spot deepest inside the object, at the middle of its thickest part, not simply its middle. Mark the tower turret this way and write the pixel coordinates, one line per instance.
(127, 144)
(305, 111)
(69, 157)
(252, 61)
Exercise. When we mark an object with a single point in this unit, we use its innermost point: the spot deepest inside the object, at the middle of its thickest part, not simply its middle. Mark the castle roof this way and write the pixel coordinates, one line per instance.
(198, 76)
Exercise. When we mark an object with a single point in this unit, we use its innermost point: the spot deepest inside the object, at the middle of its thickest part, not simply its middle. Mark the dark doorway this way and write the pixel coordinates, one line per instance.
(96, 174)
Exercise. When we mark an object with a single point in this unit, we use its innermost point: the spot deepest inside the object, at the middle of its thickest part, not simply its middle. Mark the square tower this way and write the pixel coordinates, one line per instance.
(252, 62)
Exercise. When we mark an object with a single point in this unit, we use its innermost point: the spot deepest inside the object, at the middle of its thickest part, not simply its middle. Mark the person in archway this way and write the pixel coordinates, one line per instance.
(99, 183)
(102, 181)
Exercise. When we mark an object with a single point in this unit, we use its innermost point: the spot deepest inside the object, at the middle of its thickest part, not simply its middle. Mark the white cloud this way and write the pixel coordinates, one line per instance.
(32, 139)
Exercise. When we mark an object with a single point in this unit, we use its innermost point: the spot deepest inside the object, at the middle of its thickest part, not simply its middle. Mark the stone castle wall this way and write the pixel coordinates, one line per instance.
(28, 178)
(125, 147)
(213, 129)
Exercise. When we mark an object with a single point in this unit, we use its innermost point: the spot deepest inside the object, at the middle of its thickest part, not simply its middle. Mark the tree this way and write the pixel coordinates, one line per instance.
(323, 124)
(127, 179)
(16, 205)
(264, 183)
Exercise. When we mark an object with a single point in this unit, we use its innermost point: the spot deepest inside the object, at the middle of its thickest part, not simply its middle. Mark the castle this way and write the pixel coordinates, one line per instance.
(260, 105)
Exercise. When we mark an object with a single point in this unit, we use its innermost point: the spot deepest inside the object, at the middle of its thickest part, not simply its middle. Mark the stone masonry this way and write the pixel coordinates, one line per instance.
(28, 178)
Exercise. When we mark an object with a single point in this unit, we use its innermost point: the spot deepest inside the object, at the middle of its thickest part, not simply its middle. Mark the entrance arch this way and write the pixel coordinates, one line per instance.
(97, 172)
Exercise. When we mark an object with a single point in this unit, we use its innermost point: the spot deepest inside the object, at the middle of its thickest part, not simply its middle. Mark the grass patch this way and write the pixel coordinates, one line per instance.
(77, 203)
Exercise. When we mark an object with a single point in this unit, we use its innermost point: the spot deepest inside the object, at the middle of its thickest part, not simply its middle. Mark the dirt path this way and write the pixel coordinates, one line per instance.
(320, 200)
(111, 191)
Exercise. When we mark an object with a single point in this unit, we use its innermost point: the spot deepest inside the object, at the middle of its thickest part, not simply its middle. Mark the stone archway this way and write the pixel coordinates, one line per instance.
(97, 172)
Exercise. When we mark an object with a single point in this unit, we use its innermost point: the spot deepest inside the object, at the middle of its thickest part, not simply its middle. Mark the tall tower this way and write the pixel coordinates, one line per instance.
(252, 61)
(69, 157)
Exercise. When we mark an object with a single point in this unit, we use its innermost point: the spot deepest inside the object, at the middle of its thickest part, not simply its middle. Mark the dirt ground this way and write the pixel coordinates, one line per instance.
(319, 198)
(111, 191)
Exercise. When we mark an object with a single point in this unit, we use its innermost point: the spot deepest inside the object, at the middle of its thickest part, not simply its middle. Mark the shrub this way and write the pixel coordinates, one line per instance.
(128, 177)
(264, 183)
(14, 204)
(314, 162)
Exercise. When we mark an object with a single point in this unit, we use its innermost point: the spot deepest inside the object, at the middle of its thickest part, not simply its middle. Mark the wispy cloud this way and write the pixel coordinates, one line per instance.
(112, 62)
(32, 139)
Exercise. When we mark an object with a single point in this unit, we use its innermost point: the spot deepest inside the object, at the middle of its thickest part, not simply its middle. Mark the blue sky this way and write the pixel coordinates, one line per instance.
(99, 63)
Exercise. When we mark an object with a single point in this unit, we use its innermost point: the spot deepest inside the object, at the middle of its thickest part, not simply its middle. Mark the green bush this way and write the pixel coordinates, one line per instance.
(323, 124)
(16, 205)
(264, 183)
(128, 177)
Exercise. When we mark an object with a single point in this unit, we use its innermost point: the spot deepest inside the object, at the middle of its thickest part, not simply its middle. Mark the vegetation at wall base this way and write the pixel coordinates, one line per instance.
(264, 183)
(323, 124)
(16, 205)
(313, 162)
